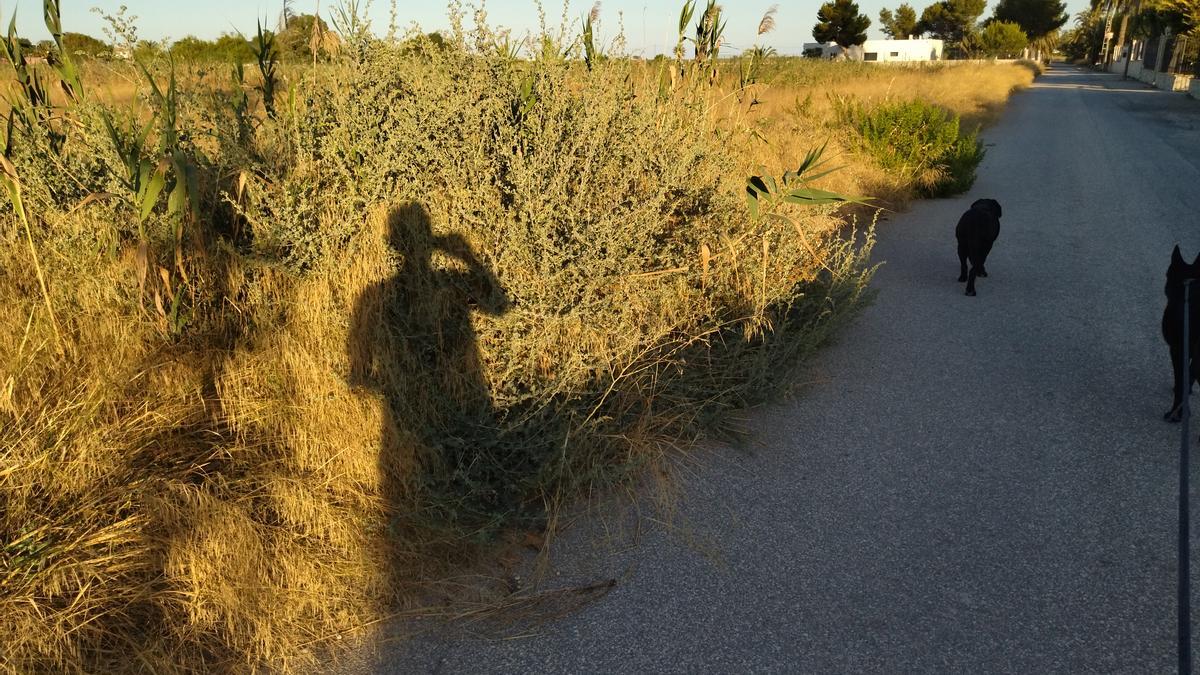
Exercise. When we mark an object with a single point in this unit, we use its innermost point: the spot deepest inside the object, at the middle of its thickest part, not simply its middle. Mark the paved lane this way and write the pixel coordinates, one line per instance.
(971, 484)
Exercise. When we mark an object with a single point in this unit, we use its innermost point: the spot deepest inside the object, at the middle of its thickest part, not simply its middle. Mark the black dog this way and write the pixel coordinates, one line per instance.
(1172, 328)
(977, 231)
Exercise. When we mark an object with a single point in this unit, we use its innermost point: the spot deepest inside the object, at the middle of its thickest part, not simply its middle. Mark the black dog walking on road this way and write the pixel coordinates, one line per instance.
(977, 231)
(1172, 328)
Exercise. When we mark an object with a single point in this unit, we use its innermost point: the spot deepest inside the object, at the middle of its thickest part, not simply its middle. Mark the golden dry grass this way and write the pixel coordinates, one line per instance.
(230, 499)
(792, 117)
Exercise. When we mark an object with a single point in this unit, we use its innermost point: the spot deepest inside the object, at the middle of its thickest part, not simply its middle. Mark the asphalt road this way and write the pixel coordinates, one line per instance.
(970, 484)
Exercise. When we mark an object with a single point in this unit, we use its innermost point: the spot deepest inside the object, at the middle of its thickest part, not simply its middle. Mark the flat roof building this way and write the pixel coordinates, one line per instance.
(879, 50)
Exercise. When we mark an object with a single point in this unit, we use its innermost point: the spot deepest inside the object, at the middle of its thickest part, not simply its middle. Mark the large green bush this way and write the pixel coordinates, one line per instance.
(919, 141)
(310, 360)
(1002, 39)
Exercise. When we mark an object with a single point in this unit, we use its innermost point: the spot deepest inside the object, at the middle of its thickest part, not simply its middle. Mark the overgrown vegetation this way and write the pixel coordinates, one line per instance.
(274, 364)
(918, 140)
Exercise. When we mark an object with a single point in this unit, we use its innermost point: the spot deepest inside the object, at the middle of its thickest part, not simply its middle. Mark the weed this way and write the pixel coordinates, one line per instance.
(920, 141)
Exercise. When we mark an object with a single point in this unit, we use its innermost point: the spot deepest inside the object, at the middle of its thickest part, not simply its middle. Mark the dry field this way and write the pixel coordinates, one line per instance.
(350, 347)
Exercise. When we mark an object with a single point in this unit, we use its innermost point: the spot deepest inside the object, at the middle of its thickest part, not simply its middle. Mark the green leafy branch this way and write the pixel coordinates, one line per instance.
(766, 196)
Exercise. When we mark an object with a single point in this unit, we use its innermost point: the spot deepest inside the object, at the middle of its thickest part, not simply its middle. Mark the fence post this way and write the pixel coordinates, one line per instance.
(1185, 594)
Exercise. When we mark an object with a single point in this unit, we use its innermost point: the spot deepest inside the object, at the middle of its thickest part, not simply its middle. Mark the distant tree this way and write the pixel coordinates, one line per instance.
(234, 48)
(1002, 40)
(1085, 40)
(1037, 18)
(899, 26)
(423, 44)
(950, 20)
(85, 45)
(840, 21)
(229, 48)
(43, 48)
(296, 41)
(148, 50)
(192, 48)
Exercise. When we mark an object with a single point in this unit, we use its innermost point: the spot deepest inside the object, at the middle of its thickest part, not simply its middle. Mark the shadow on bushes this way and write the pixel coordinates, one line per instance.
(491, 459)
(412, 341)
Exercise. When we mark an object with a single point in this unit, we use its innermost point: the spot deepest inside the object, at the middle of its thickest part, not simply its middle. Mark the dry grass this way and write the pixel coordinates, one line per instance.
(335, 432)
(796, 111)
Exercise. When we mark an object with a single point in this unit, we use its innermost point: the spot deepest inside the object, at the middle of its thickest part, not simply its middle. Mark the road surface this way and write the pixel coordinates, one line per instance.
(971, 484)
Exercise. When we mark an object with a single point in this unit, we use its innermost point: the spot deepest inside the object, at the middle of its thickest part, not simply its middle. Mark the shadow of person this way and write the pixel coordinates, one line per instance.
(412, 340)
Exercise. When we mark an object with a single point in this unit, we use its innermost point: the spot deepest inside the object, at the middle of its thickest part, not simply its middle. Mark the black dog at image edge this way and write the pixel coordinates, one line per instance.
(1172, 328)
(976, 232)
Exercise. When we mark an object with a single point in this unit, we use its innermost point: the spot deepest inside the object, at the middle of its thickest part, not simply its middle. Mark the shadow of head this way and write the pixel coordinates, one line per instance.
(441, 269)
(410, 231)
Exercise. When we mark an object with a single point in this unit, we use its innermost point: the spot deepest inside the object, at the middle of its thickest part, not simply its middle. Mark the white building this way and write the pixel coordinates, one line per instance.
(879, 50)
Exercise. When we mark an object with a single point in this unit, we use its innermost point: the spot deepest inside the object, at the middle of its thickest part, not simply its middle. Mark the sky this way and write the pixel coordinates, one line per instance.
(650, 25)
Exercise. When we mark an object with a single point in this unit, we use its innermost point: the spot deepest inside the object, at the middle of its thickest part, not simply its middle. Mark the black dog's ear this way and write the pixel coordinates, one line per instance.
(1176, 257)
(999, 213)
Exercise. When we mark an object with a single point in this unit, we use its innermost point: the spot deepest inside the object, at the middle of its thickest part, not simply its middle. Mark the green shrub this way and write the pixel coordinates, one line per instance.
(919, 141)
(1002, 40)
(437, 295)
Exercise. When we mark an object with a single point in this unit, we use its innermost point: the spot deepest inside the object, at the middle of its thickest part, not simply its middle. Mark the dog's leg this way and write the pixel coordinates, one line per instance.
(1193, 369)
(971, 280)
(1175, 414)
(962, 262)
(983, 259)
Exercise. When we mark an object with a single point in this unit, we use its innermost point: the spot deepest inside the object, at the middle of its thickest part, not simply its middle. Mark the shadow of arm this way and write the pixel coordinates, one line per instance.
(486, 289)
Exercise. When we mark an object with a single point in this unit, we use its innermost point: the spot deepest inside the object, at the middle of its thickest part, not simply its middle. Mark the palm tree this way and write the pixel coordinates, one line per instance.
(1126, 8)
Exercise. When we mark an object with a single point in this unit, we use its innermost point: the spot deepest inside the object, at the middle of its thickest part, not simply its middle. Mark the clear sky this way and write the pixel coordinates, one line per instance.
(649, 24)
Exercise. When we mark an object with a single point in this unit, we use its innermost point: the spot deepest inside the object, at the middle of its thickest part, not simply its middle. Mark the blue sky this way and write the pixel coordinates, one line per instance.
(649, 24)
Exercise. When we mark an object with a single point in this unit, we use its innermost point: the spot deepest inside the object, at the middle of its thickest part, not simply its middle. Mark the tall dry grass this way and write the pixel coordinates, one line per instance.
(795, 105)
(437, 298)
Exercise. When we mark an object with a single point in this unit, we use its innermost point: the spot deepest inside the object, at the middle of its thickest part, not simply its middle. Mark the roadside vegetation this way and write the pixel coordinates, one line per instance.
(1105, 30)
(287, 345)
(1015, 29)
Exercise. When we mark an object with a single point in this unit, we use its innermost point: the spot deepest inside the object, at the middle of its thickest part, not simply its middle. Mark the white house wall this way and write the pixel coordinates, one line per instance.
(902, 50)
(883, 50)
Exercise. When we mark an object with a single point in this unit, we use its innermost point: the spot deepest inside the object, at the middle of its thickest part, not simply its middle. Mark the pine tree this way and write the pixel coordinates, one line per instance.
(902, 24)
(840, 21)
(1037, 18)
(950, 20)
